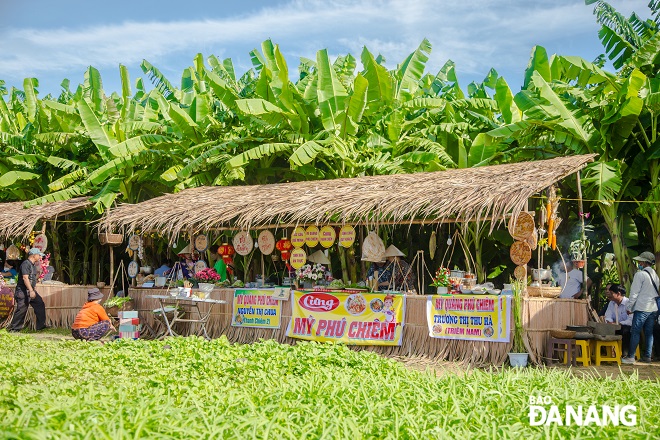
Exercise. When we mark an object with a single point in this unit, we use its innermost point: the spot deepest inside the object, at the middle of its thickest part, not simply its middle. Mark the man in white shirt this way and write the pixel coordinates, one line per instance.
(573, 287)
(617, 313)
(642, 306)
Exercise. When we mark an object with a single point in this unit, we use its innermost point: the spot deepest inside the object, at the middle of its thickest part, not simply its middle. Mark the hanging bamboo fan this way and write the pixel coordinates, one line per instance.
(520, 272)
(520, 253)
(523, 226)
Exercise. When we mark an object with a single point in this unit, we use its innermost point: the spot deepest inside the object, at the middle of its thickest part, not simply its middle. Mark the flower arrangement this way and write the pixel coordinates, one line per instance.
(311, 273)
(208, 275)
(441, 278)
(45, 262)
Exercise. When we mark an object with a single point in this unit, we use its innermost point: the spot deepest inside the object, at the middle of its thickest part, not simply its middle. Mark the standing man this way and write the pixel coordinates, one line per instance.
(642, 306)
(25, 294)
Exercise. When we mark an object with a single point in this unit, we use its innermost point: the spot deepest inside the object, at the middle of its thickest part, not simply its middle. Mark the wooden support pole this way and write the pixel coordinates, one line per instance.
(583, 237)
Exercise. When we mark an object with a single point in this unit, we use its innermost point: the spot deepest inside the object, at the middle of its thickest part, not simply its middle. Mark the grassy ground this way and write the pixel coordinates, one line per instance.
(192, 388)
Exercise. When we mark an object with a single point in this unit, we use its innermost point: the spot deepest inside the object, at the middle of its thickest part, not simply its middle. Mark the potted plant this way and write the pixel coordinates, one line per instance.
(310, 274)
(577, 249)
(518, 355)
(206, 279)
(441, 279)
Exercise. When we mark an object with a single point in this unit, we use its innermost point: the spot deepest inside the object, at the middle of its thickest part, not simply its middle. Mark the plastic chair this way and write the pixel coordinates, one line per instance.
(637, 354)
(565, 347)
(584, 353)
(598, 355)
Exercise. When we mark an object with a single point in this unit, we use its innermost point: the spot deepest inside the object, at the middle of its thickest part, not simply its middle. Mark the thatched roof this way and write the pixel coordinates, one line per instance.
(18, 221)
(464, 194)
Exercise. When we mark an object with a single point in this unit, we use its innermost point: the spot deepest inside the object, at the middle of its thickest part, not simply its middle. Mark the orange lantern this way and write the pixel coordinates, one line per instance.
(226, 251)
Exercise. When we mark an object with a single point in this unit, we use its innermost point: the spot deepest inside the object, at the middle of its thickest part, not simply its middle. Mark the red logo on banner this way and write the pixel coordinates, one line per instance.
(318, 302)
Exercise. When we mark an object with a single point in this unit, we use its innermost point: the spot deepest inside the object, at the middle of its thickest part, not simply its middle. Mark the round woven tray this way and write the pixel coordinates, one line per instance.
(562, 334)
(543, 291)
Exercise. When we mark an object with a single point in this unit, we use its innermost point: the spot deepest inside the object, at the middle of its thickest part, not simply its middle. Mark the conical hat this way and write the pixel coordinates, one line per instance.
(318, 257)
(393, 251)
(186, 250)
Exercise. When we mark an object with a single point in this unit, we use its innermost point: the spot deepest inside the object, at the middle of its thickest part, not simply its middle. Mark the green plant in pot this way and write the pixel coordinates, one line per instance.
(518, 355)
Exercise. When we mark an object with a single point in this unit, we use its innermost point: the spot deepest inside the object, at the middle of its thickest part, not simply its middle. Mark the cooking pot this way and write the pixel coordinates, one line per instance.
(541, 274)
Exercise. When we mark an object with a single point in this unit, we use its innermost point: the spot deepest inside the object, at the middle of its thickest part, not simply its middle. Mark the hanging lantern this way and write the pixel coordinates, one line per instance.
(284, 246)
(226, 251)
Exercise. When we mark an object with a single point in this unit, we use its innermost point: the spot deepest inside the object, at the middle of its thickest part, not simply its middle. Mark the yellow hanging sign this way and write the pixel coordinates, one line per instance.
(346, 236)
(327, 236)
(298, 258)
(312, 236)
(298, 237)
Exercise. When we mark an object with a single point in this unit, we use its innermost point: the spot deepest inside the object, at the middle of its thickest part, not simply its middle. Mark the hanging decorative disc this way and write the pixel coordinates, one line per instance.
(298, 258)
(520, 272)
(133, 269)
(201, 243)
(266, 242)
(243, 243)
(523, 226)
(346, 236)
(200, 265)
(298, 237)
(327, 236)
(134, 242)
(520, 253)
(312, 236)
(40, 242)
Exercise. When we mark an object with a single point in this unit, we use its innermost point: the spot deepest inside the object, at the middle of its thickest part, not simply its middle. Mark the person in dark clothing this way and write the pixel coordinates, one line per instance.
(25, 294)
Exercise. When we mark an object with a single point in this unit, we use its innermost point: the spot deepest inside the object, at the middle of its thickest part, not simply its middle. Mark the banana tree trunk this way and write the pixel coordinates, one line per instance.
(85, 258)
(344, 265)
(352, 265)
(57, 255)
(623, 266)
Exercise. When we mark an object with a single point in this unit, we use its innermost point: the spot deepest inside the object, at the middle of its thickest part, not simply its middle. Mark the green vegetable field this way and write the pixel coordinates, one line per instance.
(191, 388)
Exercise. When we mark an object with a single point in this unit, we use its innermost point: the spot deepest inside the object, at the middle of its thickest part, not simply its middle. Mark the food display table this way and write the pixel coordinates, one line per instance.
(188, 304)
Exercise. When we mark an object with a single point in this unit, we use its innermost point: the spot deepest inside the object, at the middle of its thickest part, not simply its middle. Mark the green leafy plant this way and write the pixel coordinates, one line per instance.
(517, 287)
(117, 301)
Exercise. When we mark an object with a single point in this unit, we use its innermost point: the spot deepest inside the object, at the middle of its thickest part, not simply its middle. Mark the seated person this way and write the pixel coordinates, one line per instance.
(220, 266)
(384, 274)
(573, 287)
(91, 323)
(163, 269)
(608, 298)
(616, 313)
(8, 270)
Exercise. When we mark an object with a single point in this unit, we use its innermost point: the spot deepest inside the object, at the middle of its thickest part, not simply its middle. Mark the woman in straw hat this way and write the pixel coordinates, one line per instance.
(403, 277)
(92, 322)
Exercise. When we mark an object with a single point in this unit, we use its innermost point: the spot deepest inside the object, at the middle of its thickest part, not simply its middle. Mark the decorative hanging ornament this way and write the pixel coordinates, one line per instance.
(201, 243)
(284, 246)
(346, 236)
(133, 269)
(40, 242)
(226, 251)
(298, 237)
(327, 236)
(312, 236)
(266, 242)
(298, 258)
(134, 242)
(243, 243)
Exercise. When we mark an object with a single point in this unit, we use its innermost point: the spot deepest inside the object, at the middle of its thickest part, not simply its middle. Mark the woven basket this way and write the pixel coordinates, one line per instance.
(562, 334)
(543, 291)
(112, 239)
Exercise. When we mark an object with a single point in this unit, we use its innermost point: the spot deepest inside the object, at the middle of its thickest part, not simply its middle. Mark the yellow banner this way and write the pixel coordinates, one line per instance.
(256, 308)
(469, 317)
(350, 318)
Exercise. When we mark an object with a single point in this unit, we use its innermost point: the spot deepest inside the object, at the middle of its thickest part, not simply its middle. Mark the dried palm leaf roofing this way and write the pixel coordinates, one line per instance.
(18, 221)
(474, 194)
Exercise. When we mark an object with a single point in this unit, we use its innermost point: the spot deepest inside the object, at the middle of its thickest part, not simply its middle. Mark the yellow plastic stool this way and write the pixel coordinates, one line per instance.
(599, 357)
(585, 351)
(637, 355)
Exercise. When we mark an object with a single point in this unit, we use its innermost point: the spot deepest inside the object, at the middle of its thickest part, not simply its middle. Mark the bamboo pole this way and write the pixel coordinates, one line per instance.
(583, 237)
